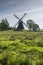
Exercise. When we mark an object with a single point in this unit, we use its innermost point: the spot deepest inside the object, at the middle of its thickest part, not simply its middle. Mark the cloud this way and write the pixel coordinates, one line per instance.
(19, 5)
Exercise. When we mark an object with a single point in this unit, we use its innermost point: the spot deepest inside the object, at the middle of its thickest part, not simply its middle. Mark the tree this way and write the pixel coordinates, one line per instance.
(32, 26)
(4, 25)
(36, 27)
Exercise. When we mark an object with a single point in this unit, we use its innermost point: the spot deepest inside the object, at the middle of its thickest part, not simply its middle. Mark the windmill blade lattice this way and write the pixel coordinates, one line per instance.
(25, 25)
(23, 16)
(16, 24)
(16, 17)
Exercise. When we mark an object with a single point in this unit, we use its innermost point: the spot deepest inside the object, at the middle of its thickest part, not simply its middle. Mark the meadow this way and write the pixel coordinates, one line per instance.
(21, 48)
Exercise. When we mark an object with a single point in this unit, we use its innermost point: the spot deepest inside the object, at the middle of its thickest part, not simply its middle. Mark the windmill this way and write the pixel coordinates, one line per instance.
(20, 23)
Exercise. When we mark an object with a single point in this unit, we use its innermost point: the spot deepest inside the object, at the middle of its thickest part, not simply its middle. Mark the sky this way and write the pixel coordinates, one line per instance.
(33, 8)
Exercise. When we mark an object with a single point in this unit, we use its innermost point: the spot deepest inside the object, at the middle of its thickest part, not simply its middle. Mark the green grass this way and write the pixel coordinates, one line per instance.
(21, 48)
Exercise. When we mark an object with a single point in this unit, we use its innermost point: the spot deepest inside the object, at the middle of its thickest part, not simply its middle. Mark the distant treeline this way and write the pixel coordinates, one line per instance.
(4, 25)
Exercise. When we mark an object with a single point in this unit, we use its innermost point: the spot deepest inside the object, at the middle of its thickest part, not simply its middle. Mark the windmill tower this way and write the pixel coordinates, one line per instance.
(20, 23)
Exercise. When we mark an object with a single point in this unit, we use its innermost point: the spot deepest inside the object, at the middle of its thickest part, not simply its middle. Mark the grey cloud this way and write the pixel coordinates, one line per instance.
(19, 5)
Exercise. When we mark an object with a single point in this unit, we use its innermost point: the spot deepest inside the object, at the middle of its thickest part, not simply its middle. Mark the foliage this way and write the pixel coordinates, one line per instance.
(4, 25)
(36, 27)
(33, 26)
